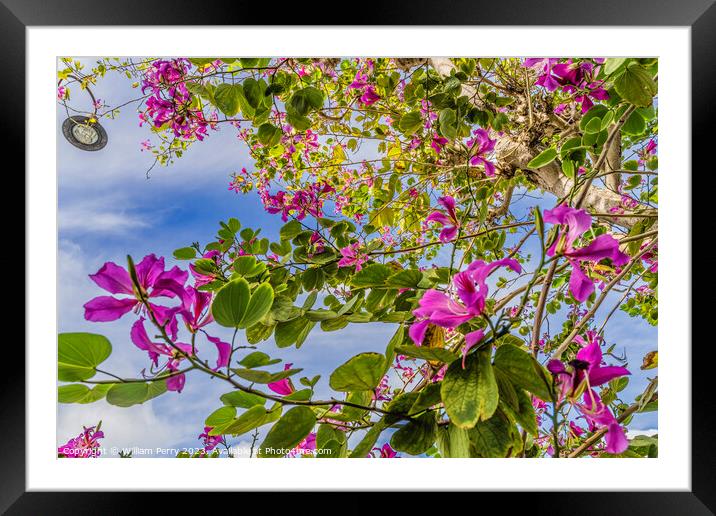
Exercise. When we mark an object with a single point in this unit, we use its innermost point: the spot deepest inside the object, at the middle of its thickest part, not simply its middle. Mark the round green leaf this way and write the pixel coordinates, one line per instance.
(410, 123)
(185, 253)
(470, 394)
(636, 85)
(226, 98)
(252, 418)
(288, 431)
(79, 354)
(523, 371)
(134, 393)
(545, 157)
(230, 303)
(259, 305)
(361, 373)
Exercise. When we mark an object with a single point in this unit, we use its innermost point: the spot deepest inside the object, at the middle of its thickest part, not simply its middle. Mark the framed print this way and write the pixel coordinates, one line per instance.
(439, 245)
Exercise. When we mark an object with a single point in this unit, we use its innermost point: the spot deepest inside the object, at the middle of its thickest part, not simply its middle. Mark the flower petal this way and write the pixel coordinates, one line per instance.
(616, 439)
(579, 283)
(107, 308)
(471, 339)
(417, 331)
(223, 349)
(113, 278)
(600, 375)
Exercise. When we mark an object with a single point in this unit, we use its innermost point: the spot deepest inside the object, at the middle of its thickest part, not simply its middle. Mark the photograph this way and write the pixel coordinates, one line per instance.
(357, 257)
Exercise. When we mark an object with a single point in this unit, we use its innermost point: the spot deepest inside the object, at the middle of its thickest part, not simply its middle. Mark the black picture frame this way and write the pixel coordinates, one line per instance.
(700, 15)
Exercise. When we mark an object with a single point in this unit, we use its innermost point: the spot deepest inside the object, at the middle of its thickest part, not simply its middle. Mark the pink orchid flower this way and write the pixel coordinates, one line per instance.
(352, 256)
(210, 441)
(86, 445)
(283, 387)
(385, 452)
(445, 311)
(447, 219)
(581, 375)
(574, 224)
(140, 338)
(544, 64)
(154, 281)
(482, 144)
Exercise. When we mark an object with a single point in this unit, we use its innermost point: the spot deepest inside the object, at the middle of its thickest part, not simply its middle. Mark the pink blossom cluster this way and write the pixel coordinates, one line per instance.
(86, 445)
(170, 100)
(574, 78)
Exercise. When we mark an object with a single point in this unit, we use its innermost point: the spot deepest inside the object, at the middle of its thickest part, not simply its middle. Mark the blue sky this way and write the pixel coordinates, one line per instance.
(107, 208)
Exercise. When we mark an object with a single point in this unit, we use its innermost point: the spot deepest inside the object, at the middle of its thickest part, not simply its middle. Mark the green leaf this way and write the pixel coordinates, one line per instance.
(300, 123)
(545, 157)
(252, 418)
(410, 123)
(78, 354)
(363, 372)
(634, 125)
(257, 359)
(448, 123)
(426, 353)
(288, 431)
(230, 303)
(453, 442)
(417, 436)
(259, 305)
(290, 230)
(293, 332)
(405, 279)
(252, 92)
(269, 135)
(523, 371)
(185, 253)
(613, 64)
(226, 98)
(492, 438)
(248, 267)
(242, 399)
(363, 448)
(636, 85)
(594, 125)
(522, 412)
(221, 416)
(470, 394)
(78, 393)
(258, 376)
(373, 275)
(428, 396)
(135, 393)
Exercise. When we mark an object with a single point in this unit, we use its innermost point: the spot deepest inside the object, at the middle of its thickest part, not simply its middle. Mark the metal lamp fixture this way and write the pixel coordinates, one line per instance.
(85, 132)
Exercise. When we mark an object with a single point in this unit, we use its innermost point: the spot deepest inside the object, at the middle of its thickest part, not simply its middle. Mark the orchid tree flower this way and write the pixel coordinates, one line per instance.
(352, 256)
(210, 441)
(203, 279)
(578, 377)
(140, 338)
(544, 64)
(448, 219)
(86, 445)
(482, 144)
(306, 447)
(283, 387)
(384, 452)
(153, 280)
(574, 224)
(441, 309)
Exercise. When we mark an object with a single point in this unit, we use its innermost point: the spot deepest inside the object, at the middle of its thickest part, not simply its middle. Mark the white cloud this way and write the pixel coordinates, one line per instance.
(98, 216)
